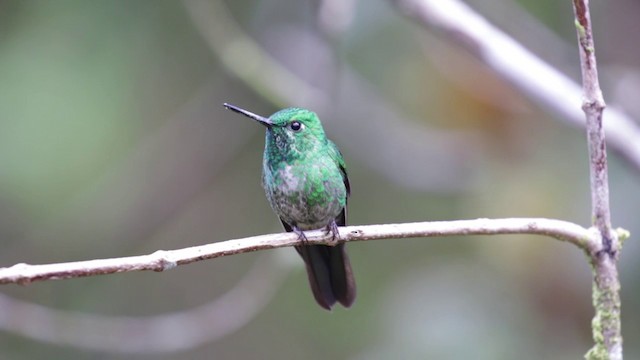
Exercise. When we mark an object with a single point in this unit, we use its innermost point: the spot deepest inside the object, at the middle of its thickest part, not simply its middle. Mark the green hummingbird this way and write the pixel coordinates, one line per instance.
(306, 183)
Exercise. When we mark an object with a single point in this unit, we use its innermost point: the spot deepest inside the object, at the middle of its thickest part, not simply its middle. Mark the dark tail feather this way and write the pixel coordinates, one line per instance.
(329, 273)
(342, 280)
(316, 259)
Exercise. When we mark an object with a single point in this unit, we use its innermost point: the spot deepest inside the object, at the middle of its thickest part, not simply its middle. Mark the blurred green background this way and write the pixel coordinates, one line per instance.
(114, 142)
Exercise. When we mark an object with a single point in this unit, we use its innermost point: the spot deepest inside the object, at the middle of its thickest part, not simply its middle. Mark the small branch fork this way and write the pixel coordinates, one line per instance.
(606, 284)
(164, 260)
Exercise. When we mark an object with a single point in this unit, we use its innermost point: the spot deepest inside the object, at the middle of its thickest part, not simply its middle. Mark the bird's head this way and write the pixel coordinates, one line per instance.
(293, 131)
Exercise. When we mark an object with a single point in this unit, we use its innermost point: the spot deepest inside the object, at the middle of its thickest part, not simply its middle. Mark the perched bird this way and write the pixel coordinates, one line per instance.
(306, 183)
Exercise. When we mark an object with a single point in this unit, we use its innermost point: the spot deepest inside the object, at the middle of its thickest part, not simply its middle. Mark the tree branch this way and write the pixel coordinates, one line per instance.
(164, 260)
(606, 284)
(593, 106)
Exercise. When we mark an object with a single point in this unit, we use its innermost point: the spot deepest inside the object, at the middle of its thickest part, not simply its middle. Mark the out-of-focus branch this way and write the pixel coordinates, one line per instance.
(606, 283)
(153, 334)
(451, 154)
(244, 58)
(164, 260)
(511, 61)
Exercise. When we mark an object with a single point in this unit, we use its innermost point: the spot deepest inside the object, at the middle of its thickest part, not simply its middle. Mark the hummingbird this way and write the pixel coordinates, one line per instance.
(305, 180)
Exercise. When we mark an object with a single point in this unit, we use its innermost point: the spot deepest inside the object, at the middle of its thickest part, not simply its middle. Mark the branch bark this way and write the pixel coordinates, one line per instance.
(167, 259)
(606, 284)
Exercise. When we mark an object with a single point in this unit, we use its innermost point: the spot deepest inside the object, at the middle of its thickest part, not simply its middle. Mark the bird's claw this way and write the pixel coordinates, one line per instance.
(332, 229)
(301, 236)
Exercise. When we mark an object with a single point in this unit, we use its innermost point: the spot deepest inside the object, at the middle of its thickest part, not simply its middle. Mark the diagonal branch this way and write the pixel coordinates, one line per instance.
(164, 260)
(542, 83)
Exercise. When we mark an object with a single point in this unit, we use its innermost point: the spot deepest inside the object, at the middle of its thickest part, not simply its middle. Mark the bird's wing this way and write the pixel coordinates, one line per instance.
(336, 155)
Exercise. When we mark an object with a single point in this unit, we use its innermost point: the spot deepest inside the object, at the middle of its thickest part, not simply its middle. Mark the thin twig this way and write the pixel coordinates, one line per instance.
(593, 106)
(164, 260)
(606, 284)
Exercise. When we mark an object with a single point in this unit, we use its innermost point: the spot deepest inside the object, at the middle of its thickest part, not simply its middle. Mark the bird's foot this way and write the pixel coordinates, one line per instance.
(332, 229)
(301, 236)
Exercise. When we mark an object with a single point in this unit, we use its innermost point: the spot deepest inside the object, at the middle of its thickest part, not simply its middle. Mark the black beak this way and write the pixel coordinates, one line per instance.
(261, 119)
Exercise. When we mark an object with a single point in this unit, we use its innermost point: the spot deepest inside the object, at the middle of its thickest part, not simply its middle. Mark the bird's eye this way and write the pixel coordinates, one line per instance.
(295, 125)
